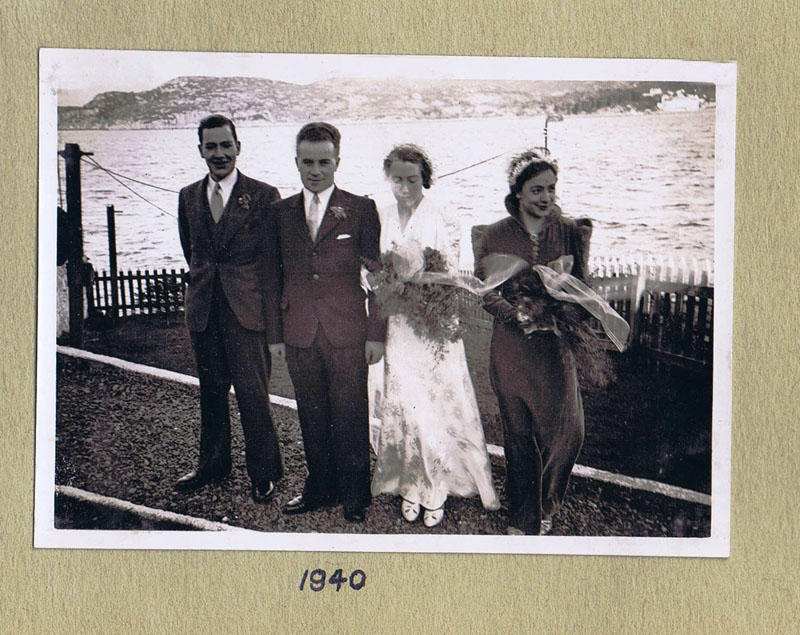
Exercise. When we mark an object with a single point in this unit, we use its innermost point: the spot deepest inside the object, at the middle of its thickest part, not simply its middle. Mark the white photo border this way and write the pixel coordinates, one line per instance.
(55, 67)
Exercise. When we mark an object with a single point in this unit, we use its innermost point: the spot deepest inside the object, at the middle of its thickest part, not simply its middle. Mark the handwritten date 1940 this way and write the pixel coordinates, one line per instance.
(318, 577)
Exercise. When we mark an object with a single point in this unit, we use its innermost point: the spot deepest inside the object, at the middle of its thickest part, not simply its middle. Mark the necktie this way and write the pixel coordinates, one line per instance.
(313, 217)
(216, 203)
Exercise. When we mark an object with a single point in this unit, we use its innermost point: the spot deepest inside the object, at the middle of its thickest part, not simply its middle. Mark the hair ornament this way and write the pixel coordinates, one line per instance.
(521, 161)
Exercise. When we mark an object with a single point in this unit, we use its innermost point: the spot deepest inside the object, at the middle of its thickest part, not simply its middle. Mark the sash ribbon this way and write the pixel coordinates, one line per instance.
(501, 267)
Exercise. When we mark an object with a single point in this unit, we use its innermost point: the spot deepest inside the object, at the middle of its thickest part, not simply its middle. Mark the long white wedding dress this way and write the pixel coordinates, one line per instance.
(430, 441)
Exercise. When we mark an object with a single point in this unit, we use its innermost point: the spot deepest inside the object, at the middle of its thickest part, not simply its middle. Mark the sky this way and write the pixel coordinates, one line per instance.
(81, 74)
(77, 75)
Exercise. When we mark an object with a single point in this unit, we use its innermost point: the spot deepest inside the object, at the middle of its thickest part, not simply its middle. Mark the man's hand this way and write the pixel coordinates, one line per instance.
(373, 352)
(278, 351)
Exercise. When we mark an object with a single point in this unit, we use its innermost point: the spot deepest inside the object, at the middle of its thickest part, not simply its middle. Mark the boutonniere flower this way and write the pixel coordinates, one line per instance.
(338, 212)
(244, 201)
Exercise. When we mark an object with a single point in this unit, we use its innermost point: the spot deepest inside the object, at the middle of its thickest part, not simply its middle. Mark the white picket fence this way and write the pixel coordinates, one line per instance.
(657, 268)
(667, 302)
(689, 271)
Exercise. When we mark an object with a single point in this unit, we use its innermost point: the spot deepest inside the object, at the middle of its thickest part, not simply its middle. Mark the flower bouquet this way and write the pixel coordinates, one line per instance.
(537, 311)
(429, 308)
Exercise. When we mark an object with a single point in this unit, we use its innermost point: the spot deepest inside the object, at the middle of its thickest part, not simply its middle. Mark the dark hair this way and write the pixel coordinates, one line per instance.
(320, 131)
(525, 166)
(410, 153)
(216, 121)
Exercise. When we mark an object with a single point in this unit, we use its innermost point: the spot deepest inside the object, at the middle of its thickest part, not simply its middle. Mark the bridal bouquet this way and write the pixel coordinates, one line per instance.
(537, 310)
(429, 308)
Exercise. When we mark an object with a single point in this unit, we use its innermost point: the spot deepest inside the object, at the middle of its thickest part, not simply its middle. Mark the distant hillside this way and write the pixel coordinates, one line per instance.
(183, 101)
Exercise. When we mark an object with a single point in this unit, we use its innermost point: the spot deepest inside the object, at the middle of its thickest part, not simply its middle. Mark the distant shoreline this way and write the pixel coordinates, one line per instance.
(354, 122)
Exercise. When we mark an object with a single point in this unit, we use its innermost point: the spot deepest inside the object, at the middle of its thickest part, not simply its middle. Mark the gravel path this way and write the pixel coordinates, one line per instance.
(131, 436)
(650, 424)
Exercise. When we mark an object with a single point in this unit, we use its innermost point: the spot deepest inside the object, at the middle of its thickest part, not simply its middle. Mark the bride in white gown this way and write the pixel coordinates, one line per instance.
(430, 442)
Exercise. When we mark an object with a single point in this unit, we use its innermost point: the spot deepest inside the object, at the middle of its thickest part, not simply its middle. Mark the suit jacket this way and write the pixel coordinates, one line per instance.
(321, 282)
(243, 258)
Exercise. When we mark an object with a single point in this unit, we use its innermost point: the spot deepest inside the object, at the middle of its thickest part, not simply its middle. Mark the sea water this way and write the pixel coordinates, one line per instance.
(646, 180)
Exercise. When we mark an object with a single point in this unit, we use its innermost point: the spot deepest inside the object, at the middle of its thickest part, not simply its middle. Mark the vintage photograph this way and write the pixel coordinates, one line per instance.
(384, 303)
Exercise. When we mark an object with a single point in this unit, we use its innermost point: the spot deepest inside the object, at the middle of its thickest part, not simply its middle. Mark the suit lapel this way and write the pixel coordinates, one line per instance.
(238, 208)
(203, 211)
(297, 219)
(329, 221)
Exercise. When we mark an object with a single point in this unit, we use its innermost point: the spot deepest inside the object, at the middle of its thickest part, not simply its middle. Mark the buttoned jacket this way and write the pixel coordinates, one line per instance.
(559, 236)
(239, 254)
(321, 278)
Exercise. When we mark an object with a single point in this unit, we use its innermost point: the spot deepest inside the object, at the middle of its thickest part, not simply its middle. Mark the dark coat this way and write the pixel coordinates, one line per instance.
(533, 377)
(321, 282)
(559, 235)
(239, 253)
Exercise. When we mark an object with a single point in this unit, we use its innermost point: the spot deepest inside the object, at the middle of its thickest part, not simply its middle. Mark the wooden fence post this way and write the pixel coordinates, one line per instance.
(112, 259)
(75, 271)
(636, 292)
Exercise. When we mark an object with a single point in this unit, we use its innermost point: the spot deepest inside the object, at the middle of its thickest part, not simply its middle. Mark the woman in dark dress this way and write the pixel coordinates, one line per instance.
(532, 367)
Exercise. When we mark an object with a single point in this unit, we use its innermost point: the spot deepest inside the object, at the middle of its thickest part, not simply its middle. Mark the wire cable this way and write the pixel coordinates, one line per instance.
(130, 178)
(441, 176)
(117, 176)
(127, 187)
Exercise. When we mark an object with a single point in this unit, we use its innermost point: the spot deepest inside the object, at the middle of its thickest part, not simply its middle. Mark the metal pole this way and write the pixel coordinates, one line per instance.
(546, 124)
(112, 260)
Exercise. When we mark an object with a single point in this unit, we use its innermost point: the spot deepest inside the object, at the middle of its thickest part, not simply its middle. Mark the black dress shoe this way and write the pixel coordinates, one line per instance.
(354, 515)
(195, 480)
(263, 491)
(298, 505)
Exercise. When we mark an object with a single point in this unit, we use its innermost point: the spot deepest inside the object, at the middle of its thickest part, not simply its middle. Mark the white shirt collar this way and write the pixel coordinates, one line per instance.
(324, 197)
(225, 185)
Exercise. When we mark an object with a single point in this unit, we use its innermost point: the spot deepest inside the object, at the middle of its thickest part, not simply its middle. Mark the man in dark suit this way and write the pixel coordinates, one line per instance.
(233, 273)
(329, 337)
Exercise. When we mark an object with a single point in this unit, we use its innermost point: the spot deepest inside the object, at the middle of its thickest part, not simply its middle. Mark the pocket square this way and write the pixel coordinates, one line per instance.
(343, 236)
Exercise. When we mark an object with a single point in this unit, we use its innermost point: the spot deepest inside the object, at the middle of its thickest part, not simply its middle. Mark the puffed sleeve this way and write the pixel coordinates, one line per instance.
(493, 301)
(580, 239)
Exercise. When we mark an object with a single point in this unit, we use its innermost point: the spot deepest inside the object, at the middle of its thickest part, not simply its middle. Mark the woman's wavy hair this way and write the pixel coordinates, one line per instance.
(411, 153)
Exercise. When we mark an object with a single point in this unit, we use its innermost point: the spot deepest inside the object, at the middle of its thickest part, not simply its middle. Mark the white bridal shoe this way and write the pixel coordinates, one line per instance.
(409, 510)
(433, 517)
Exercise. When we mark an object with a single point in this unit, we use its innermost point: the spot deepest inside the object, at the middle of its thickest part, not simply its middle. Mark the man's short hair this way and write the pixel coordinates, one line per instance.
(216, 121)
(320, 131)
